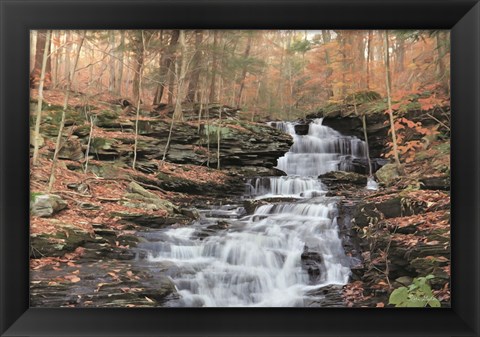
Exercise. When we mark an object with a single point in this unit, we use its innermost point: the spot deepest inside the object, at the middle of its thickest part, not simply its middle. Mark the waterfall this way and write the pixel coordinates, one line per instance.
(282, 252)
(320, 151)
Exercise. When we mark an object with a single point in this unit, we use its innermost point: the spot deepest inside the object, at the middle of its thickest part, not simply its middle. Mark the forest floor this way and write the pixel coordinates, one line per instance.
(403, 231)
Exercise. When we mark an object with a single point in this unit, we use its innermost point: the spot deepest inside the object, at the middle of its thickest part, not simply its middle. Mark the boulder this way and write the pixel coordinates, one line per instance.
(45, 205)
(335, 178)
(387, 174)
(435, 183)
(367, 213)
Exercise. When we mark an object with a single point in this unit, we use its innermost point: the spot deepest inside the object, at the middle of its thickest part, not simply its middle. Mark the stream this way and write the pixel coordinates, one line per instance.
(287, 253)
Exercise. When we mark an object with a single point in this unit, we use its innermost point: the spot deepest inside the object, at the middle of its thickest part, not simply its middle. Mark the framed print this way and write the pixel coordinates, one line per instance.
(222, 168)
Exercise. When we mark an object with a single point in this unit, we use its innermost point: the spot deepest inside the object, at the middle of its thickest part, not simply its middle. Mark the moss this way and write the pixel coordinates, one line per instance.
(99, 143)
(443, 148)
(361, 97)
(34, 195)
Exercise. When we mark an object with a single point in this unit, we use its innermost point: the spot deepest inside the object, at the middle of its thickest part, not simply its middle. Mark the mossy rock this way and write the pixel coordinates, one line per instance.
(100, 143)
(360, 97)
(107, 119)
(82, 131)
(66, 239)
(108, 170)
(340, 178)
(387, 174)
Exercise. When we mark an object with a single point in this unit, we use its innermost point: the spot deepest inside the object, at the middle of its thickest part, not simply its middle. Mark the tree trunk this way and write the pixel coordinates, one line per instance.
(193, 84)
(343, 51)
(112, 62)
(246, 55)
(442, 42)
(214, 67)
(369, 47)
(68, 51)
(41, 46)
(120, 54)
(400, 54)
(326, 36)
(56, 44)
(137, 115)
(51, 181)
(40, 99)
(139, 57)
(181, 72)
(389, 104)
(171, 66)
(165, 68)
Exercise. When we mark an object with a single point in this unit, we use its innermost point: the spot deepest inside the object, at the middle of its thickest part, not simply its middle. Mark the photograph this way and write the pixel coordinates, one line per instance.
(240, 168)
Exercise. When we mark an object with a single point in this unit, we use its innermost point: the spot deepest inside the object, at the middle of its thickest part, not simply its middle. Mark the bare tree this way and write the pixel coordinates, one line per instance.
(40, 99)
(111, 62)
(140, 79)
(121, 56)
(245, 68)
(41, 46)
(196, 59)
(181, 70)
(62, 121)
(214, 66)
(389, 103)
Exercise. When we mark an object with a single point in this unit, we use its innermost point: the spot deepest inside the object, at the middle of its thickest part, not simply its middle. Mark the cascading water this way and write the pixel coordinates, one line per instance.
(320, 151)
(277, 256)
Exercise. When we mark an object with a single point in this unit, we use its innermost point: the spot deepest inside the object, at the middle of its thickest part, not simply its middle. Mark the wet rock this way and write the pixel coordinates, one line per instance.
(360, 165)
(191, 213)
(435, 183)
(257, 171)
(151, 220)
(336, 178)
(161, 288)
(301, 129)
(312, 263)
(45, 205)
(251, 205)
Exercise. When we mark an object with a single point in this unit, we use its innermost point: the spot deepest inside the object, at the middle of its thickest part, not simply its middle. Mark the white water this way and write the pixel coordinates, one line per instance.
(320, 151)
(257, 261)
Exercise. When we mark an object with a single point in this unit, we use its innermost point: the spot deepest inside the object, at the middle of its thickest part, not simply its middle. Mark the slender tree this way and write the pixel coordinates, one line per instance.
(214, 66)
(195, 73)
(181, 70)
(139, 58)
(40, 99)
(121, 57)
(137, 114)
(389, 103)
(112, 62)
(62, 121)
(41, 46)
(246, 55)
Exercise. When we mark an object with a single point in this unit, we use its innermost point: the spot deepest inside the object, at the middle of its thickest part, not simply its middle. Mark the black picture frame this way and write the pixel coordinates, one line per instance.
(17, 17)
